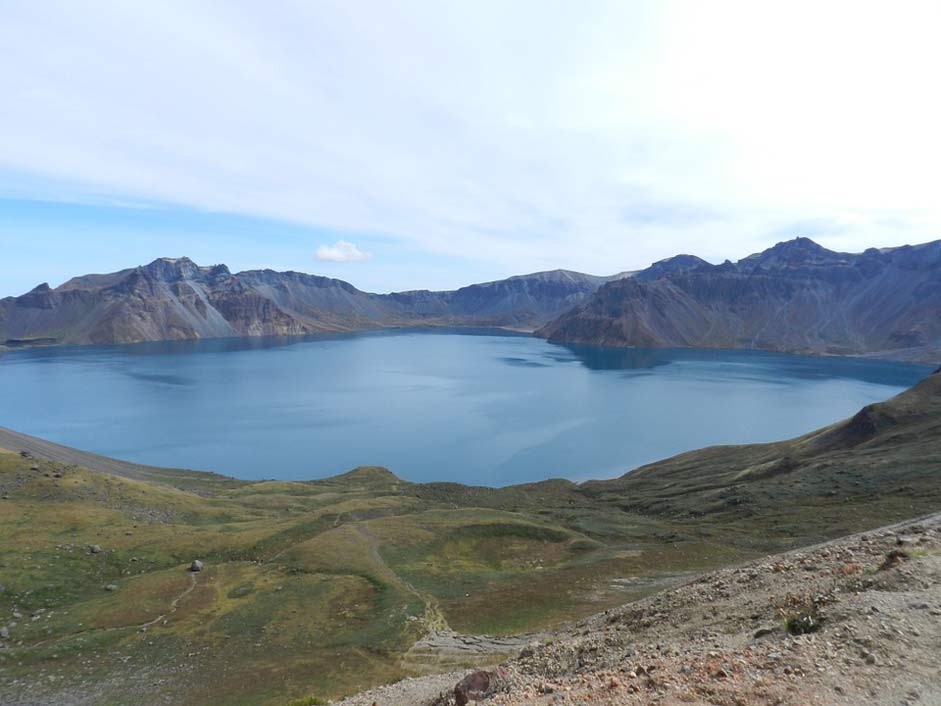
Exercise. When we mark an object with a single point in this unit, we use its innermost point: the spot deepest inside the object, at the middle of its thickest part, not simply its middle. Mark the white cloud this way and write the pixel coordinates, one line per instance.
(341, 251)
(521, 134)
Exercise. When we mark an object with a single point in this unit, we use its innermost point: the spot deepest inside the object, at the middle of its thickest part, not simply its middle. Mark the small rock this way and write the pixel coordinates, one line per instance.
(111, 587)
(529, 650)
(95, 549)
(4, 633)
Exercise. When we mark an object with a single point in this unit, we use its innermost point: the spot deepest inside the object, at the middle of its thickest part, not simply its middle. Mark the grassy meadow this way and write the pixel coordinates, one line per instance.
(320, 589)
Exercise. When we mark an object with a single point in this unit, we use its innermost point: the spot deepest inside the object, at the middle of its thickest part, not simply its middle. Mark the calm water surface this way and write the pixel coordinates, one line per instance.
(477, 408)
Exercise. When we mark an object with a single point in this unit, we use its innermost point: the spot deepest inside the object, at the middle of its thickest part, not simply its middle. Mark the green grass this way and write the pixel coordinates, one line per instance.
(307, 701)
(322, 587)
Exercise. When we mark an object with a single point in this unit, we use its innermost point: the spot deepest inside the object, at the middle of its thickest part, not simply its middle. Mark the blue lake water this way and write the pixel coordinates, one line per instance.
(480, 407)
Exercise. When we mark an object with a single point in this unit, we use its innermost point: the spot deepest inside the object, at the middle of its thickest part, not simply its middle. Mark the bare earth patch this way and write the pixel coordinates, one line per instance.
(744, 637)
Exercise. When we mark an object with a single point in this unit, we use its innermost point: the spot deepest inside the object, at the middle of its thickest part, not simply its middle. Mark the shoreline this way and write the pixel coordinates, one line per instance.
(925, 355)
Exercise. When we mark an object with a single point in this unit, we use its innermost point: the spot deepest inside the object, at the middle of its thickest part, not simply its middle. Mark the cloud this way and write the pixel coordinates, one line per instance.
(341, 251)
(598, 136)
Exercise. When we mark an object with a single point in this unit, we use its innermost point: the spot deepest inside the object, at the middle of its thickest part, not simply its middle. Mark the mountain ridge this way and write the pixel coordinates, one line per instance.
(174, 298)
(795, 296)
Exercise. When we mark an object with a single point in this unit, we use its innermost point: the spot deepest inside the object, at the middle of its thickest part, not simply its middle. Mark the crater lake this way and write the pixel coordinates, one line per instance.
(475, 407)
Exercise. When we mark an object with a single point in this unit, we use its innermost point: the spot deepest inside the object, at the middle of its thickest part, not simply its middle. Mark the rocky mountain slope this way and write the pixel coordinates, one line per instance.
(330, 587)
(851, 622)
(173, 299)
(796, 296)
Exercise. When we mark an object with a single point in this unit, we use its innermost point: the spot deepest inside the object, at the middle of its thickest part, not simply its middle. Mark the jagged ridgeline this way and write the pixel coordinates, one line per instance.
(172, 299)
(313, 590)
(796, 296)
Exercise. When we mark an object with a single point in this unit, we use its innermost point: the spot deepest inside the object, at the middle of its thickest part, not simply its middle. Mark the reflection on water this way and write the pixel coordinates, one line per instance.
(597, 358)
(471, 406)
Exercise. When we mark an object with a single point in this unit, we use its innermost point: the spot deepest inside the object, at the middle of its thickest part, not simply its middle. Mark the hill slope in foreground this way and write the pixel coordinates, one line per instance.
(849, 622)
(329, 587)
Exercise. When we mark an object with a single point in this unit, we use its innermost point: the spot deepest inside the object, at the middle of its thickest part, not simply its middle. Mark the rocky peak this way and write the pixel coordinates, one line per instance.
(218, 271)
(170, 269)
(671, 265)
(798, 250)
(40, 297)
(797, 255)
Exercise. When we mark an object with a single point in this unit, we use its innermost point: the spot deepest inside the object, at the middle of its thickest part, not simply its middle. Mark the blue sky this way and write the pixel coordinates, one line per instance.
(48, 241)
(445, 143)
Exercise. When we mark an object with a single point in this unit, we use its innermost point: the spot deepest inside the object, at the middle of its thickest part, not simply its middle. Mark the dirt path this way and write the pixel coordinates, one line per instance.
(174, 604)
(735, 636)
(434, 617)
(441, 647)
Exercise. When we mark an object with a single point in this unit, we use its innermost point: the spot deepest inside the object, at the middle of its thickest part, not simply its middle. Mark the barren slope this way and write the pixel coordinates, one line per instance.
(172, 299)
(796, 296)
(850, 622)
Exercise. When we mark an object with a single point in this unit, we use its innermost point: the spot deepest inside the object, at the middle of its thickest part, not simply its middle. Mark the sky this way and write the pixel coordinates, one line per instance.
(431, 144)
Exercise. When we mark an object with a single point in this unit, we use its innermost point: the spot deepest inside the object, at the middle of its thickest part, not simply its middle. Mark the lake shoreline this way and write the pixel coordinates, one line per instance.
(478, 407)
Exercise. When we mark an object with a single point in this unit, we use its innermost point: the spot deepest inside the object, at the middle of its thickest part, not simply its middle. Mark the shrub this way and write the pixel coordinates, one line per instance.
(801, 614)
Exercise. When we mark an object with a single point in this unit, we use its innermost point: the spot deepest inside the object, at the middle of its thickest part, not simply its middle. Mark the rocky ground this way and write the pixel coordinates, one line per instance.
(850, 622)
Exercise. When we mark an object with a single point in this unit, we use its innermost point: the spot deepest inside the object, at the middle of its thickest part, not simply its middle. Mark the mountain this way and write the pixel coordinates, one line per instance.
(173, 299)
(796, 296)
(670, 266)
(328, 587)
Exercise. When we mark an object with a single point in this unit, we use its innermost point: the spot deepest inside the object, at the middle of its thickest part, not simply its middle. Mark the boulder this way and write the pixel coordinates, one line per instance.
(479, 685)
(197, 565)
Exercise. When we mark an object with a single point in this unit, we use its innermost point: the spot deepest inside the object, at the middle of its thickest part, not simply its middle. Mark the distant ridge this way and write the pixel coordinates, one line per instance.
(796, 296)
(174, 298)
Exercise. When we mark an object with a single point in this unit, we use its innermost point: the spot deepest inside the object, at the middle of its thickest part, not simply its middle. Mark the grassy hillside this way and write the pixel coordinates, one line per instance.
(308, 588)
(322, 588)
